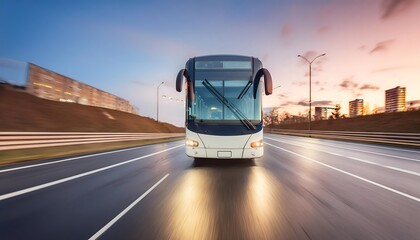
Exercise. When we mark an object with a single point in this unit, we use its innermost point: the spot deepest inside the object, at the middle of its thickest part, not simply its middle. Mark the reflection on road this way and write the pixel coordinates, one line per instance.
(235, 200)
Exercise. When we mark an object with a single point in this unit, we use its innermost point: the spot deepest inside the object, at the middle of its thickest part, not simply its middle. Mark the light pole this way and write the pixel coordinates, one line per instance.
(310, 75)
(157, 101)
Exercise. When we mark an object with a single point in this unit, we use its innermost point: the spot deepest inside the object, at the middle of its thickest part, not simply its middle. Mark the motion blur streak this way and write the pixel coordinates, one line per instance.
(226, 203)
(352, 175)
(282, 195)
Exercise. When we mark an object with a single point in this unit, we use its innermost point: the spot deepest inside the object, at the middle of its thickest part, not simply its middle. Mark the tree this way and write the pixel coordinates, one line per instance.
(266, 119)
(366, 109)
(375, 109)
(284, 117)
(271, 118)
(336, 114)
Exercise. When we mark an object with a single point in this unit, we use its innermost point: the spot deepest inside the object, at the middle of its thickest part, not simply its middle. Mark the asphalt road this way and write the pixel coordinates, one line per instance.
(303, 188)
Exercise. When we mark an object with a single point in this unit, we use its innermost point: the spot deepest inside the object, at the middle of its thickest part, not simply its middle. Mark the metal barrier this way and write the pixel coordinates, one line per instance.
(21, 140)
(406, 139)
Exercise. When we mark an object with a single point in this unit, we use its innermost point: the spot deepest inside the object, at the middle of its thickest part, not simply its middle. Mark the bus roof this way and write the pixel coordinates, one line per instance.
(226, 57)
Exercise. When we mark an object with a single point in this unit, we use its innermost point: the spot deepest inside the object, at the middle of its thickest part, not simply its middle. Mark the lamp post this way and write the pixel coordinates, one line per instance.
(310, 76)
(157, 101)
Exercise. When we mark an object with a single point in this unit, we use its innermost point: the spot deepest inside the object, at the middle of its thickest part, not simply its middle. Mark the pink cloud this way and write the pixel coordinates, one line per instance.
(391, 8)
(388, 69)
(286, 31)
(348, 83)
(382, 46)
(324, 29)
(369, 87)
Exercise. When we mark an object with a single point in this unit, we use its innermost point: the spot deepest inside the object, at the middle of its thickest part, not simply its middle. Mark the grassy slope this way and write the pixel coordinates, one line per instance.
(20, 111)
(385, 122)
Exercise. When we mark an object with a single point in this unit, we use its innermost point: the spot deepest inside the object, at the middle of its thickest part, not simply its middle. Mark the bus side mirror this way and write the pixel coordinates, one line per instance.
(268, 82)
(180, 79)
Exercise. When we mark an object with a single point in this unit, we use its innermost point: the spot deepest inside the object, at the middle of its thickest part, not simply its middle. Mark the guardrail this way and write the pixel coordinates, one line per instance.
(22, 140)
(406, 139)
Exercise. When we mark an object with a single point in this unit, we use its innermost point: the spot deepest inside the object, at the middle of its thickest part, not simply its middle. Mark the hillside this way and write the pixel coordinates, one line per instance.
(384, 122)
(20, 111)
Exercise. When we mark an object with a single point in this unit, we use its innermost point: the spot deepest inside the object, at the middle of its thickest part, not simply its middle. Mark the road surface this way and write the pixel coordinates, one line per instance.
(303, 188)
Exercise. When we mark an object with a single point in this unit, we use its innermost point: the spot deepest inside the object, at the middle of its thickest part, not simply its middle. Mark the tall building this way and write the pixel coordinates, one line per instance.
(356, 108)
(321, 113)
(50, 85)
(395, 99)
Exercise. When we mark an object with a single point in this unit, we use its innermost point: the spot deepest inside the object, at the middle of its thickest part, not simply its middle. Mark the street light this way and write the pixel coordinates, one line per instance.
(157, 101)
(310, 75)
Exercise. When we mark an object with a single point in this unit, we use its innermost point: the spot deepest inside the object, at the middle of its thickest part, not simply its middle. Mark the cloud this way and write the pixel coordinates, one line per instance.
(324, 29)
(305, 103)
(348, 83)
(302, 103)
(286, 31)
(322, 103)
(362, 47)
(391, 8)
(382, 46)
(300, 83)
(388, 69)
(369, 87)
(291, 103)
(355, 88)
(282, 95)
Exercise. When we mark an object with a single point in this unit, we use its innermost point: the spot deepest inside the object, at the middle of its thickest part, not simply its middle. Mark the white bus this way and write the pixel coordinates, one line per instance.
(223, 106)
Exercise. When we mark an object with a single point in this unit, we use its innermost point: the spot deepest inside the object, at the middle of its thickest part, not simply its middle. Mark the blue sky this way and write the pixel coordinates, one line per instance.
(128, 47)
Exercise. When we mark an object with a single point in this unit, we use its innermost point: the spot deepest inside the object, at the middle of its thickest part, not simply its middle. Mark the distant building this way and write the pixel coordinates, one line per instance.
(321, 113)
(356, 108)
(395, 99)
(49, 85)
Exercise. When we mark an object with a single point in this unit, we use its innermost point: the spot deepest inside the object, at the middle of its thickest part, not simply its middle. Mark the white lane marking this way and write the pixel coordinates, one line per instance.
(336, 154)
(31, 189)
(115, 219)
(381, 154)
(385, 166)
(353, 144)
(70, 159)
(356, 159)
(351, 174)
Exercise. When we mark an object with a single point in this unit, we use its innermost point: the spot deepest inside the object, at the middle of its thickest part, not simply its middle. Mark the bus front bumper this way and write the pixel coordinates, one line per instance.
(221, 153)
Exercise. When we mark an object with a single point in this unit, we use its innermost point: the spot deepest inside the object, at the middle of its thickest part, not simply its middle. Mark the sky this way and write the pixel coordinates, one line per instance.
(128, 47)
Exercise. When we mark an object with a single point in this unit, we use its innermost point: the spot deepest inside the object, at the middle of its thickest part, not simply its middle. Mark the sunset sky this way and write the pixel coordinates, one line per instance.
(129, 47)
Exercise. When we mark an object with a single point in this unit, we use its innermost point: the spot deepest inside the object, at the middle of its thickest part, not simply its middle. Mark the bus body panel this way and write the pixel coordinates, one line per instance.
(224, 147)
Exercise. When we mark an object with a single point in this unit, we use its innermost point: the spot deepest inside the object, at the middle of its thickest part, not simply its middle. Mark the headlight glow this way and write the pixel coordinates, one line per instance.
(257, 144)
(191, 143)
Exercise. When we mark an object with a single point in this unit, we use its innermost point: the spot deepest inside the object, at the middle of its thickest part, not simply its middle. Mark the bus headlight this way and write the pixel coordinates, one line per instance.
(257, 144)
(191, 143)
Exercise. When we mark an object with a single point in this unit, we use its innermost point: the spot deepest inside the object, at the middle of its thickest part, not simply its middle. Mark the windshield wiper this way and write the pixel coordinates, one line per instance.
(245, 90)
(231, 106)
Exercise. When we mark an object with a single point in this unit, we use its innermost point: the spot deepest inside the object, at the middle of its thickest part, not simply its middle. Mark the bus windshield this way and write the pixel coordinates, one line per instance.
(208, 108)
